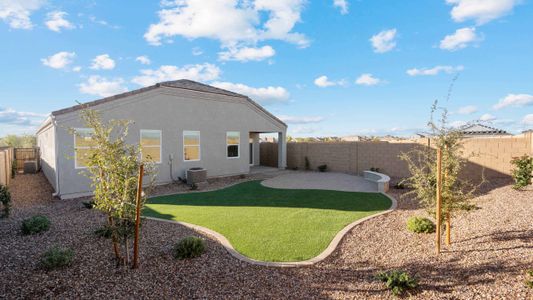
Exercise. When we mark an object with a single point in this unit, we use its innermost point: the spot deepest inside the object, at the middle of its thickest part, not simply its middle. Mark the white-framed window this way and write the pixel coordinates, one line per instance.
(233, 140)
(83, 146)
(151, 145)
(191, 145)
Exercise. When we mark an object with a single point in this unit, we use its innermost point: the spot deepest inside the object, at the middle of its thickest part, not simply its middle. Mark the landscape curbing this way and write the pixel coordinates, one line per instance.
(327, 252)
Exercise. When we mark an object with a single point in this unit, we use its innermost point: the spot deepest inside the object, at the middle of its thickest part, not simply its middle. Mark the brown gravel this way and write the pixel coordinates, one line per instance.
(492, 247)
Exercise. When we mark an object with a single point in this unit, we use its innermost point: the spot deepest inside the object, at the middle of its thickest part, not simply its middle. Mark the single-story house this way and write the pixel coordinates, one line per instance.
(180, 124)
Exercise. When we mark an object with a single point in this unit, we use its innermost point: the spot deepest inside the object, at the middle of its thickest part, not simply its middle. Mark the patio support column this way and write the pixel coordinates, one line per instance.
(282, 150)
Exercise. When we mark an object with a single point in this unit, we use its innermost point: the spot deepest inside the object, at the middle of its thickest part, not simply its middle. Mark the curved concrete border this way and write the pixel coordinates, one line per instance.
(327, 252)
(381, 179)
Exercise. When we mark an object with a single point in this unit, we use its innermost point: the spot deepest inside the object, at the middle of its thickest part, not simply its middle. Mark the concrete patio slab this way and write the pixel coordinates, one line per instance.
(321, 181)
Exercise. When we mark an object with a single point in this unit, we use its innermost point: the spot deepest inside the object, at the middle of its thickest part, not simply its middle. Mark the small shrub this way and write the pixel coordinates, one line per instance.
(522, 171)
(5, 199)
(529, 282)
(35, 224)
(373, 169)
(104, 231)
(189, 247)
(88, 204)
(56, 257)
(322, 168)
(242, 176)
(397, 281)
(420, 225)
(307, 164)
(193, 187)
(399, 186)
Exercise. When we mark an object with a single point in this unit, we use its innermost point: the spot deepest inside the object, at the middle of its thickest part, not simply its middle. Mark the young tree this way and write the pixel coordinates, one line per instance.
(112, 166)
(19, 141)
(456, 192)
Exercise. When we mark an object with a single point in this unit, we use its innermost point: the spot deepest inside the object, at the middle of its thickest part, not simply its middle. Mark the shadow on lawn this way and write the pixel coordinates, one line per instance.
(253, 194)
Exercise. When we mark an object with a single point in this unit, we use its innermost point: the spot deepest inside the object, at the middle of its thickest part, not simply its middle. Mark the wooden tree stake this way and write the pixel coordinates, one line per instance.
(138, 217)
(448, 229)
(439, 199)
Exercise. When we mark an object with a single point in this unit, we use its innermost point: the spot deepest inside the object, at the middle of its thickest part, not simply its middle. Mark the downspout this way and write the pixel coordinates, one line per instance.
(57, 193)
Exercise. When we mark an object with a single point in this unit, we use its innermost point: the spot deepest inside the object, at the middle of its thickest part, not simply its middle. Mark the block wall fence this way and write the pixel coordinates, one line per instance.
(491, 154)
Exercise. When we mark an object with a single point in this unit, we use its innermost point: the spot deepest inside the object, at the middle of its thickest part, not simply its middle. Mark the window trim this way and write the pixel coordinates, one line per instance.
(76, 167)
(199, 145)
(160, 143)
(238, 145)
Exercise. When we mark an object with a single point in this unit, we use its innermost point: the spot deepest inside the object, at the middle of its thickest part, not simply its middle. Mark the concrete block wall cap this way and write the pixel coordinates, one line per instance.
(327, 252)
(382, 177)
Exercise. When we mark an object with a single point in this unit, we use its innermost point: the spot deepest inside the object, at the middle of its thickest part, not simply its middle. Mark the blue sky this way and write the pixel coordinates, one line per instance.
(331, 67)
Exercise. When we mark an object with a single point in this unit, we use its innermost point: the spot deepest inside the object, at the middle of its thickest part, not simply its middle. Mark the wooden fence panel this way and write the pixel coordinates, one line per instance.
(26, 154)
(6, 160)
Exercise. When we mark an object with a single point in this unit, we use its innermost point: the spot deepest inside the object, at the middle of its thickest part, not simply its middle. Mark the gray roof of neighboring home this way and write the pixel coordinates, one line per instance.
(480, 129)
(180, 84)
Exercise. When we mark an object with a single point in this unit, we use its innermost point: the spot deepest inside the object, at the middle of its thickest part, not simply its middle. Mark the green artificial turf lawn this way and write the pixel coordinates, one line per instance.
(270, 224)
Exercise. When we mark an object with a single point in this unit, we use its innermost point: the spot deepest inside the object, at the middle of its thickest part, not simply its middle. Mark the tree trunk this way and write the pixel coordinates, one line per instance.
(114, 239)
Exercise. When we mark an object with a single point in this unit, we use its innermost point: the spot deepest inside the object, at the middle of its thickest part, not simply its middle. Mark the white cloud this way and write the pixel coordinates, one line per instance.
(342, 5)
(517, 100)
(9, 116)
(59, 60)
(323, 81)
(245, 54)
(103, 87)
(55, 20)
(487, 118)
(16, 13)
(302, 129)
(143, 59)
(263, 95)
(198, 72)
(384, 41)
(301, 119)
(76, 69)
(231, 22)
(482, 11)
(367, 79)
(528, 119)
(457, 124)
(197, 51)
(434, 71)
(103, 62)
(460, 39)
(467, 110)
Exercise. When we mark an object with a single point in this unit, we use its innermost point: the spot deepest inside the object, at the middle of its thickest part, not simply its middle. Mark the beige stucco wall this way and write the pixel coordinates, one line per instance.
(173, 111)
(491, 154)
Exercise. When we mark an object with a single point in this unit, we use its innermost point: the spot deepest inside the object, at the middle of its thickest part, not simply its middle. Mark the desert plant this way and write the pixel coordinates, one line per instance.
(456, 193)
(522, 171)
(35, 224)
(113, 168)
(5, 200)
(399, 186)
(307, 164)
(529, 281)
(56, 257)
(397, 281)
(420, 225)
(189, 247)
(374, 169)
(104, 231)
(322, 168)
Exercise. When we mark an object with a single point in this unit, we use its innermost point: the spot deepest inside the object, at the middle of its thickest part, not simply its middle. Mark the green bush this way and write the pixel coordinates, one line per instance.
(189, 247)
(420, 225)
(529, 281)
(105, 231)
(322, 168)
(523, 168)
(5, 199)
(307, 164)
(56, 257)
(35, 224)
(397, 281)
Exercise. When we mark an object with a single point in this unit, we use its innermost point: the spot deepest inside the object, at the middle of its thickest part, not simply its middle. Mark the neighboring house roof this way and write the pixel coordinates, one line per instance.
(480, 129)
(180, 84)
(475, 129)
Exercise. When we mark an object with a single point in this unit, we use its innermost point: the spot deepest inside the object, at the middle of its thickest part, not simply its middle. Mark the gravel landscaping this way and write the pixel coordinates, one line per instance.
(493, 246)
